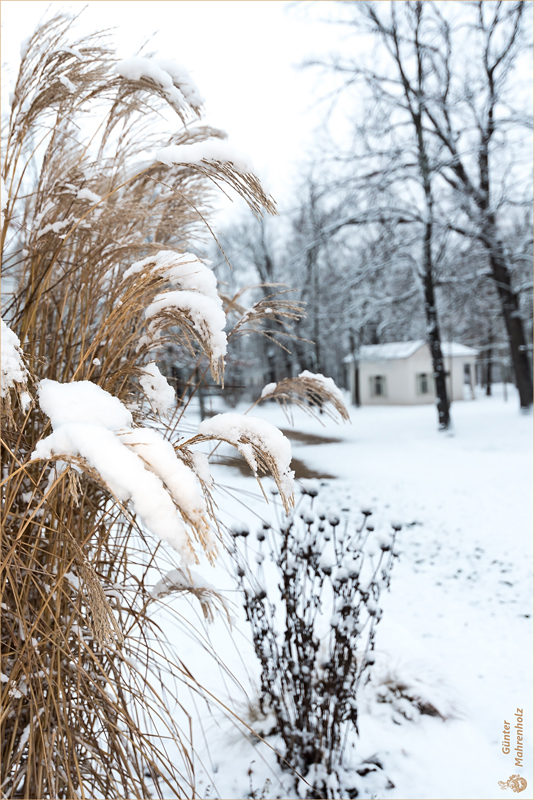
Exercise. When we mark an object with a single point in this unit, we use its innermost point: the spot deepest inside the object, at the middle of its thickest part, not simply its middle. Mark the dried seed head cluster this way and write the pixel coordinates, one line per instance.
(325, 570)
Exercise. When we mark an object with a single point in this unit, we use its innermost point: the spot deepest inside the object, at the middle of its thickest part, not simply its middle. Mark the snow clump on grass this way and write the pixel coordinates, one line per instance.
(309, 391)
(194, 305)
(207, 318)
(134, 464)
(182, 270)
(262, 446)
(13, 368)
(172, 78)
(161, 396)
(328, 385)
(212, 150)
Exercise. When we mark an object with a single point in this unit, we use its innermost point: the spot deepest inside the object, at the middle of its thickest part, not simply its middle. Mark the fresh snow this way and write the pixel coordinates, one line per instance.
(67, 83)
(457, 623)
(212, 150)
(160, 395)
(394, 350)
(82, 402)
(73, 52)
(12, 363)
(136, 464)
(175, 579)
(172, 78)
(243, 432)
(3, 195)
(182, 270)
(207, 317)
(327, 383)
(158, 454)
(268, 390)
(87, 194)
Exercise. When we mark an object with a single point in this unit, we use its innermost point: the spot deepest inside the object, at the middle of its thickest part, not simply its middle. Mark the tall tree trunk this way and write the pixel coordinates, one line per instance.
(496, 252)
(312, 269)
(417, 108)
(489, 356)
(513, 321)
(434, 342)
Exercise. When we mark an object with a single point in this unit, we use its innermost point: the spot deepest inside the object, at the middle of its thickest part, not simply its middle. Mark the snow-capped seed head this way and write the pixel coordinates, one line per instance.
(309, 518)
(240, 572)
(366, 512)
(341, 576)
(261, 594)
(320, 528)
(260, 536)
(369, 659)
(397, 526)
(370, 527)
(325, 565)
(309, 486)
(262, 445)
(333, 519)
(200, 318)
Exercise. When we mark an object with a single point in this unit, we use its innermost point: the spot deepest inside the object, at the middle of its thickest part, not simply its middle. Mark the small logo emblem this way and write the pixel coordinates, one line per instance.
(515, 782)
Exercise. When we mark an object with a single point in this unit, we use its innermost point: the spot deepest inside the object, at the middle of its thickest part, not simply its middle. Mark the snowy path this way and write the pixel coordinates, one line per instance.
(461, 599)
(458, 617)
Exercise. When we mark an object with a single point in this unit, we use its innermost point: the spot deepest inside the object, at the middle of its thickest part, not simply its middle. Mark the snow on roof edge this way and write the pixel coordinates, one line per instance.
(398, 350)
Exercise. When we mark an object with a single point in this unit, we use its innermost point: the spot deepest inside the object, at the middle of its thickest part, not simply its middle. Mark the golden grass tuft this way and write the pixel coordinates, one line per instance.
(309, 394)
(90, 691)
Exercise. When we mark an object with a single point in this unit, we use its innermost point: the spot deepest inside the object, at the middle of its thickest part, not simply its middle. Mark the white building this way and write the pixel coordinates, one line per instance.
(401, 373)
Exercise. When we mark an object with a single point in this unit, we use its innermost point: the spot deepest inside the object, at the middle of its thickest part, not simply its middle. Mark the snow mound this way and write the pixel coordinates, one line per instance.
(82, 402)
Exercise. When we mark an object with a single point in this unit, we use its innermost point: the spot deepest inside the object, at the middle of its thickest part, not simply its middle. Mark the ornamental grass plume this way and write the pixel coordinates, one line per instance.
(84, 672)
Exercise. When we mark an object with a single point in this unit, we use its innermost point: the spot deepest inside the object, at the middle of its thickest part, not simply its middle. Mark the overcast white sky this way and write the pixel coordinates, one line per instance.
(241, 53)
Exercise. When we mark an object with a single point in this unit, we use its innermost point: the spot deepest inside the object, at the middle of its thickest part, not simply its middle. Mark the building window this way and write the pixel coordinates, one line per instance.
(378, 385)
(423, 383)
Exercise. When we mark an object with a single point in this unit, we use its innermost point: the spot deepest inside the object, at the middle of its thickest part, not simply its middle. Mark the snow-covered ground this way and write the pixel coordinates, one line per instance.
(458, 617)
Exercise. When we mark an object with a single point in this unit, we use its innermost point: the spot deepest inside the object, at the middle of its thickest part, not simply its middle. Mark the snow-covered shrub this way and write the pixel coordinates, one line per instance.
(101, 210)
(311, 588)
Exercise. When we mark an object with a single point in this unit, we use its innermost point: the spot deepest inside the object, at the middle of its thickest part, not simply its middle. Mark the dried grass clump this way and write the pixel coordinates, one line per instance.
(309, 393)
(261, 462)
(86, 679)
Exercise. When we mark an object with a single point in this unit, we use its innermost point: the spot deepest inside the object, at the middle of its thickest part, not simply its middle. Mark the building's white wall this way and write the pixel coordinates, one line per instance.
(401, 378)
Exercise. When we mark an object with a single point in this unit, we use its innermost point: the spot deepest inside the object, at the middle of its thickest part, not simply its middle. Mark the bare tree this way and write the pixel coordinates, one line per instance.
(463, 108)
